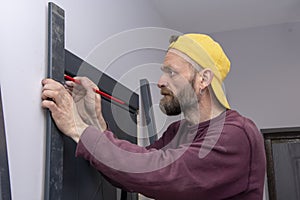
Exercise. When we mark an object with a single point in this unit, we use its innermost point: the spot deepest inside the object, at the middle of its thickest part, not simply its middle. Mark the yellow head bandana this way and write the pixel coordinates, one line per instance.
(208, 54)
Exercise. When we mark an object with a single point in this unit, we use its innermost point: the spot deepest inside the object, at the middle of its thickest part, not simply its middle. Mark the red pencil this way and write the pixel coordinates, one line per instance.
(96, 90)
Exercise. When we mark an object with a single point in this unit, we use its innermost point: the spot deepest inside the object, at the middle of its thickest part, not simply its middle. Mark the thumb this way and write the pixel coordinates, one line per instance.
(87, 83)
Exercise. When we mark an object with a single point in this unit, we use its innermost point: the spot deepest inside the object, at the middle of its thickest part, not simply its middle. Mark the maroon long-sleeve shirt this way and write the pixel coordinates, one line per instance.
(222, 158)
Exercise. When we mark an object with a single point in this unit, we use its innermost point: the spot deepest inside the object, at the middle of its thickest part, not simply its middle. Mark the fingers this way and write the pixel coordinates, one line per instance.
(80, 84)
(78, 92)
(70, 83)
(86, 83)
(50, 105)
(49, 94)
(62, 108)
(53, 90)
(84, 89)
(50, 84)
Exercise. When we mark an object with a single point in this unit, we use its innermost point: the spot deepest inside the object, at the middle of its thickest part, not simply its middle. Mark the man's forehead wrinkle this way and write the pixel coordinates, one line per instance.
(185, 58)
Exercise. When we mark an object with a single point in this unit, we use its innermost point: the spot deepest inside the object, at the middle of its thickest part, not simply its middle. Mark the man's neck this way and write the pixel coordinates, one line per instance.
(203, 112)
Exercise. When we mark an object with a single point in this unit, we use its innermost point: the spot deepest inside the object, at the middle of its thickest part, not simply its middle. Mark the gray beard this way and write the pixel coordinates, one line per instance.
(185, 100)
(170, 107)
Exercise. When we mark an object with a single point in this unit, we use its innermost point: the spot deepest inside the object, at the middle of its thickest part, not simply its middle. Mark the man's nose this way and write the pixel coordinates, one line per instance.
(162, 82)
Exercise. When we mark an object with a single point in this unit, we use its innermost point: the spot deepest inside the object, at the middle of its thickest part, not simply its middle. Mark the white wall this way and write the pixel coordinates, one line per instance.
(264, 78)
(23, 65)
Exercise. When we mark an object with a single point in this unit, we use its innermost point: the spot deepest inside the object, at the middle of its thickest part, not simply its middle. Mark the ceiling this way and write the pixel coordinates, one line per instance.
(209, 16)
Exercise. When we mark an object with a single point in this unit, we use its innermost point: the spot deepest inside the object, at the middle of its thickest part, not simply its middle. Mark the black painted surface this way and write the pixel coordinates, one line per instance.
(75, 66)
(54, 140)
(148, 111)
(283, 162)
(286, 156)
(81, 181)
(68, 177)
(5, 192)
(122, 121)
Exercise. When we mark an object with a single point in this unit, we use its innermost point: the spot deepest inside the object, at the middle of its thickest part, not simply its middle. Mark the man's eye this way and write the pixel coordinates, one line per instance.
(171, 73)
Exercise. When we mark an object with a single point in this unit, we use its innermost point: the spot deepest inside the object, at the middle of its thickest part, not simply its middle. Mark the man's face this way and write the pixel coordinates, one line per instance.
(177, 85)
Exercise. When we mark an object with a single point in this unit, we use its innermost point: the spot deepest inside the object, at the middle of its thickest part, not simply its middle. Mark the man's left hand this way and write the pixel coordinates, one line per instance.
(63, 109)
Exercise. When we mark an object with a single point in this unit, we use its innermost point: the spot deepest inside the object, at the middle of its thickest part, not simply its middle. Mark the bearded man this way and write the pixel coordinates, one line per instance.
(213, 153)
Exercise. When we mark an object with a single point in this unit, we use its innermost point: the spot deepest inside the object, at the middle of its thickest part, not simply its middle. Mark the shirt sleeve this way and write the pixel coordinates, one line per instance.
(172, 173)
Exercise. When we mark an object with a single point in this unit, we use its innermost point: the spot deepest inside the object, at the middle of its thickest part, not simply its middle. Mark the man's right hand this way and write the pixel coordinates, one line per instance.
(88, 102)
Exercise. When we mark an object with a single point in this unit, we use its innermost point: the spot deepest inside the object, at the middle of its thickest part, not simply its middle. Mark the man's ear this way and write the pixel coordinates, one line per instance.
(207, 76)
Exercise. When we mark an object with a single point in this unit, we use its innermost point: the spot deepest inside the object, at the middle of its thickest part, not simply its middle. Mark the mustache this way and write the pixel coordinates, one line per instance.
(165, 91)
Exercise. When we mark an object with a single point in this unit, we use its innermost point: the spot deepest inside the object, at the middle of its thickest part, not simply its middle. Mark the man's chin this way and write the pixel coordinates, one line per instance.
(165, 101)
(166, 109)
